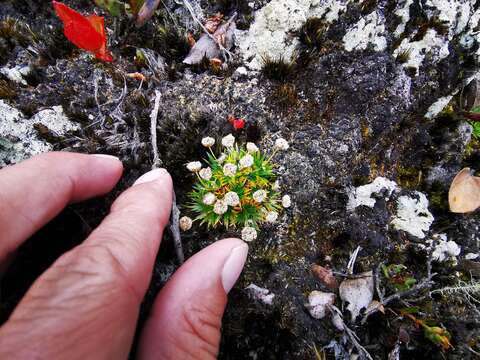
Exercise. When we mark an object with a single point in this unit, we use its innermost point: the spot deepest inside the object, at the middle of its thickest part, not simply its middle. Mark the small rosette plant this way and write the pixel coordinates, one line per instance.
(236, 189)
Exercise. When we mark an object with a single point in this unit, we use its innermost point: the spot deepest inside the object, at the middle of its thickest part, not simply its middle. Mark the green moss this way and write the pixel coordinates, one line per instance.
(311, 32)
(16, 32)
(472, 148)
(285, 96)
(172, 42)
(409, 177)
(403, 56)
(7, 90)
(277, 69)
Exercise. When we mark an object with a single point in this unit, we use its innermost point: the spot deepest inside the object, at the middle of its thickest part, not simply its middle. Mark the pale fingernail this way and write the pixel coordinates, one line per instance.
(233, 266)
(151, 176)
(106, 156)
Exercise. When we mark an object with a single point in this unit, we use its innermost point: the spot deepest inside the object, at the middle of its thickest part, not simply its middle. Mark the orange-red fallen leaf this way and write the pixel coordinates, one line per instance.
(86, 32)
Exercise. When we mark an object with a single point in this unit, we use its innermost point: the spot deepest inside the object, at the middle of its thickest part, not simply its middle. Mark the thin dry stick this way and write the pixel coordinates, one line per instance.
(351, 335)
(175, 213)
(153, 130)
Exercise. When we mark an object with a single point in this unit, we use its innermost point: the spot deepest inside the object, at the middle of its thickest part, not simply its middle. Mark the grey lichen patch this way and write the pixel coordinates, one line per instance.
(445, 22)
(270, 33)
(368, 30)
(20, 139)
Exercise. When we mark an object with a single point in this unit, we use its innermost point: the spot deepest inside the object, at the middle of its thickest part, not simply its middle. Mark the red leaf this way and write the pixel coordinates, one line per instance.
(237, 123)
(86, 32)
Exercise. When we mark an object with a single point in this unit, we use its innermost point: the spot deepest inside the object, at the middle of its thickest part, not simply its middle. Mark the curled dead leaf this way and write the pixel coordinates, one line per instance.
(209, 46)
(325, 276)
(190, 39)
(137, 76)
(212, 22)
(464, 193)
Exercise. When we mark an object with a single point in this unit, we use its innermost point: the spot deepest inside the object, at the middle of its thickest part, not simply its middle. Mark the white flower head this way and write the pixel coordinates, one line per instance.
(249, 234)
(208, 141)
(259, 196)
(281, 144)
(185, 223)
(206, 173)
(276, 186)
(231, 198)
(251, 147)
(228, 141)
(221, 158)
(286, 201)
(271, 216)
(209, 199)
(246, 161)
(194, 166)
(220, 207)
(229, 169)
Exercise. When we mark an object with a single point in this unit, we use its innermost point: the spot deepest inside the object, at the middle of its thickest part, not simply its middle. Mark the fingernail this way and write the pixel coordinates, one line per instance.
(105, 156)
(151, 176)
(233, 266)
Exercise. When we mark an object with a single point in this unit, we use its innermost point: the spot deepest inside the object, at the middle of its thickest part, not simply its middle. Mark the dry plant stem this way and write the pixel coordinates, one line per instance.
(350, 276)
(352, 336)
(424, 284)
(377, 283)
(175, 214)
(353, 258)
(153, 130)
(175, 230)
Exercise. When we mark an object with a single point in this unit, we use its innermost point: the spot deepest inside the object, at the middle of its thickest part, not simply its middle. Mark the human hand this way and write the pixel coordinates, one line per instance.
(86, 305)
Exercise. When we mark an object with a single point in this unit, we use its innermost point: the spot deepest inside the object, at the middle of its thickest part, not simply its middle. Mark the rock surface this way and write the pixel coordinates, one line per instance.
(375, 139)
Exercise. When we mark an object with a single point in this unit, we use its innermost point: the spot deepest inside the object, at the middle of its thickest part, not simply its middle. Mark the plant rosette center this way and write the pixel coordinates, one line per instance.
(237, 188)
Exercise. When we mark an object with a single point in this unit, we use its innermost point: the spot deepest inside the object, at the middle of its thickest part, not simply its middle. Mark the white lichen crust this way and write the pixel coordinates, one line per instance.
(413, 215)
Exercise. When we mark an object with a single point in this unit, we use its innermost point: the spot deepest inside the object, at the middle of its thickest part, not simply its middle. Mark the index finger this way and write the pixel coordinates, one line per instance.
(86, 305)
(35, 191)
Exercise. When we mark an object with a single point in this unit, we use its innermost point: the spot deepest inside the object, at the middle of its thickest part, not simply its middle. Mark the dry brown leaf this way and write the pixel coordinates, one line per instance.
(325, 276)
(464, 193)
(137, 76)
(191, 40)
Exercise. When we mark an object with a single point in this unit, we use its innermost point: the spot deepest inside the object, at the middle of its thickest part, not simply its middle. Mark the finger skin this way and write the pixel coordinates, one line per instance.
(186, 317)
(35, 191)
(86, 305)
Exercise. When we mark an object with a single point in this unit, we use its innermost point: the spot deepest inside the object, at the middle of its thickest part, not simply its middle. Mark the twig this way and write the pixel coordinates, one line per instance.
(350, 276)
(351, 335)
(175, 230)
(377, 282)
(175, 213)
(395, 353)
(153, 130)
(426, 283)
(353, 258)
